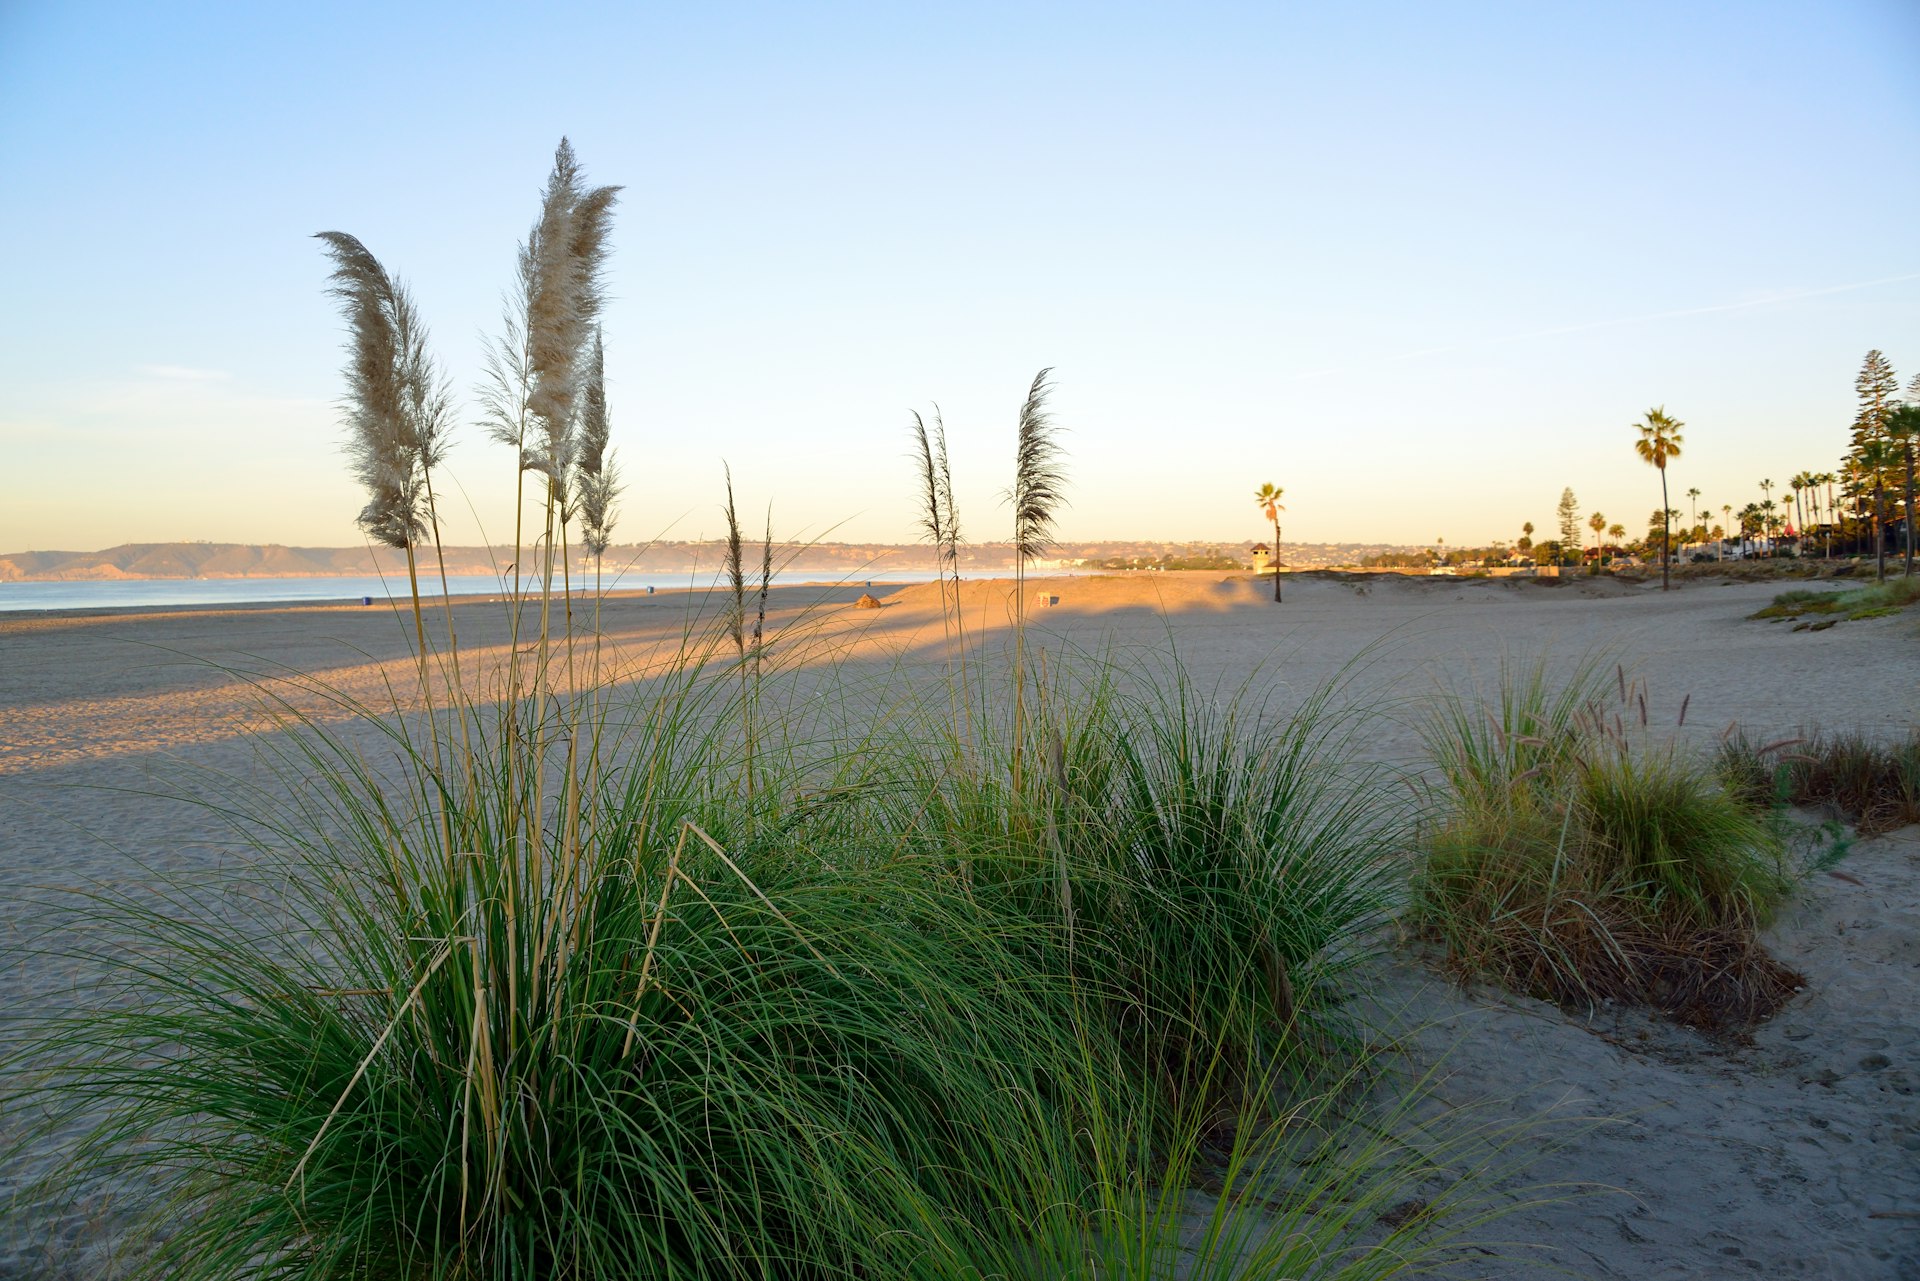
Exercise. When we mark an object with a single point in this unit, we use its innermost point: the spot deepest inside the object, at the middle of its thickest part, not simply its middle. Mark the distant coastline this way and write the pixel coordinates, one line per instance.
(191, 560)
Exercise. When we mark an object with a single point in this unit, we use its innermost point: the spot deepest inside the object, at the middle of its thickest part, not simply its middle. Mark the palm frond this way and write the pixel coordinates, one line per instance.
(1039, 482)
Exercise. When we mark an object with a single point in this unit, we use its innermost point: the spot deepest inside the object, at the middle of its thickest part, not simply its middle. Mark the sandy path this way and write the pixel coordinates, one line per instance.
(1781, 1152)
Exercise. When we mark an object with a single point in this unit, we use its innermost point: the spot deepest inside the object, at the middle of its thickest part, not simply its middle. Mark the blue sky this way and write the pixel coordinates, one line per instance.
(1421, 265)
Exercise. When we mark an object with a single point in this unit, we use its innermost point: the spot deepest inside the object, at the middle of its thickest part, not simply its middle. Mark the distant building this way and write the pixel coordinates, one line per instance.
(1262, 558)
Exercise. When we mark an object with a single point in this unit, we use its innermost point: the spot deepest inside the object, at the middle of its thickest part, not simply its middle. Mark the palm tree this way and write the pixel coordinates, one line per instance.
(1693, 512)
(1268, 496)
(1877, 458)
(1827, 478)
(1802, 483)
(1903, 432)
(1726, 512)
(1659, 441)
(1598, 524)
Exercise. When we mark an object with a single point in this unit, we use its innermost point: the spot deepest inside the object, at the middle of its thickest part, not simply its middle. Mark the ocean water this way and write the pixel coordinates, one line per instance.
(142, 592)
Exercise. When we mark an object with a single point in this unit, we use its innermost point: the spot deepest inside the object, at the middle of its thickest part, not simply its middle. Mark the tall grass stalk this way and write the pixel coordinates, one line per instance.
(1039, 486)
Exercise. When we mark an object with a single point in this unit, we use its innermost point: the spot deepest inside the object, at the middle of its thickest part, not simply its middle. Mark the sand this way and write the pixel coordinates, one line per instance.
(1795, 1155)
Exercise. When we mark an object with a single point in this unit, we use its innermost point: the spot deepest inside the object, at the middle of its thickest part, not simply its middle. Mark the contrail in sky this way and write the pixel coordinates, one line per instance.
(1780, 296)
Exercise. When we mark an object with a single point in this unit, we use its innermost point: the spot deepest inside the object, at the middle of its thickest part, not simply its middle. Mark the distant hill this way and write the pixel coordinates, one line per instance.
(187, 560)
(272, 560)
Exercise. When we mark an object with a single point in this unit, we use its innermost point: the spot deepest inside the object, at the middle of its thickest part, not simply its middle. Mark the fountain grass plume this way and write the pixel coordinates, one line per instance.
(759, 639)
(597, 482)
(1039, 482)
(933, 510)
(397, 405)
(736, 571)
(940, 520)
(932, 521)
(952, 523)
(562, 262)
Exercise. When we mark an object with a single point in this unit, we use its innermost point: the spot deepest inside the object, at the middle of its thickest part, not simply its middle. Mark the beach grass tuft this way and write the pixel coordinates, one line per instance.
(1870, 783)
(1576, 855)
(1875, 600)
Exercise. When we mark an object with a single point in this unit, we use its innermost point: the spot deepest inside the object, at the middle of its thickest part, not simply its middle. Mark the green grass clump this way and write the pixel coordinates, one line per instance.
(622, 1051)
(1875, 600)
(1204, 870)
(1574, 860)
(1872, 784)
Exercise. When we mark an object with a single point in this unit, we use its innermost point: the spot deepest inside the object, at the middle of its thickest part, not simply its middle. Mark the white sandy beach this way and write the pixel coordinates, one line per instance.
(1795, 1155)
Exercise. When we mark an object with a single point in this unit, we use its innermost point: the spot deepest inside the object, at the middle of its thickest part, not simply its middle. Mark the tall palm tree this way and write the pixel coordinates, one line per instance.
(1903, 433)
(1598, 524)
(1693, 511)
(1828, 478)
(1877, 458)
(1804, 496)
(1726, 513)
(1766, 510)
(1659, 441)
(1268, 496)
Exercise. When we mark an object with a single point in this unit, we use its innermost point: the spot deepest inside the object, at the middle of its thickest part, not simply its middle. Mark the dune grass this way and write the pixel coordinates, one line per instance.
(879, 1016)
(1875, 600)
(1207, 869)
(1577, 856)
(1870, 783)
